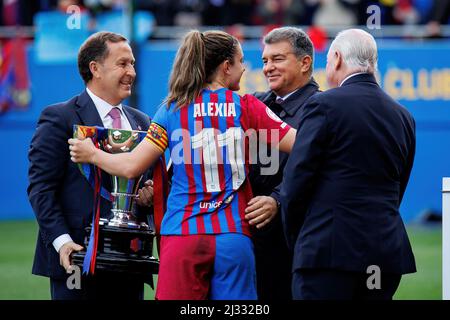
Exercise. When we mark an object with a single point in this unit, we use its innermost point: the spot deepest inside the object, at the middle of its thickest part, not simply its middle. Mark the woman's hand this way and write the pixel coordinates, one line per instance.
(82, 151)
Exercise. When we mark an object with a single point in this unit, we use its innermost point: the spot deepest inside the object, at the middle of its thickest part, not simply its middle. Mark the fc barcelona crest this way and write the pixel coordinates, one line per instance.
(156, 131)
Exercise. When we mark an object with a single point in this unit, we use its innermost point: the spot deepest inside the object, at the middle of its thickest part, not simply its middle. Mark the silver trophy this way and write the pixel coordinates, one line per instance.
(124, 190)
(124, 243)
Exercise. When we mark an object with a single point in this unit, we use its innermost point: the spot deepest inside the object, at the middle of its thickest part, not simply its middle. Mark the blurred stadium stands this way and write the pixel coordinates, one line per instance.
(413, 67)
(55, 42)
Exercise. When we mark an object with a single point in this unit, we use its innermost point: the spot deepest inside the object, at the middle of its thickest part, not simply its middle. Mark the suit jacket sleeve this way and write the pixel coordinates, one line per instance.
(410, 161)
(48, 157)
(276, 192)
(301, 168)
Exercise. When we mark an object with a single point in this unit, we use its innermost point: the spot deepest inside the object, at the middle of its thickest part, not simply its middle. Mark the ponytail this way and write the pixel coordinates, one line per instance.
(196, 63)
(187, 78)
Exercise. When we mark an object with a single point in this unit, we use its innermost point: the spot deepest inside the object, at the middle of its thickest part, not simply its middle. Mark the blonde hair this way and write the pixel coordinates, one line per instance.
(196, 63)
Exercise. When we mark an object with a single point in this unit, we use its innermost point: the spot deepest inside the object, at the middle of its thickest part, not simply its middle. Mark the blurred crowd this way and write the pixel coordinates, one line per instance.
(246, 12)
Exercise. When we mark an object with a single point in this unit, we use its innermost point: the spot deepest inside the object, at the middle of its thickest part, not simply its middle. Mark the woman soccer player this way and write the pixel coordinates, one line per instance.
(206, 250)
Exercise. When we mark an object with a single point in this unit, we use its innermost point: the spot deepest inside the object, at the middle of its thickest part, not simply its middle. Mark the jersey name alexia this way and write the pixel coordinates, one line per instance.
(213, 109)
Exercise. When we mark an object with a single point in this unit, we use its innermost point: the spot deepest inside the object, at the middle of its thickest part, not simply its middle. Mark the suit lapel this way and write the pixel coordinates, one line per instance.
(131, 118)
(89, 116)
(87, 111)
(297, 99)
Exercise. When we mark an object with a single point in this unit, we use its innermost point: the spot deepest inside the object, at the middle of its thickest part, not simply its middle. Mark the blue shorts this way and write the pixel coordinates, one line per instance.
(199, 267)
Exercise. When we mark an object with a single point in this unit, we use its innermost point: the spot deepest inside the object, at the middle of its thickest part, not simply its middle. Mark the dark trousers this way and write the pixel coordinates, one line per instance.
(324, 284)
(273, 262)
(99, 287)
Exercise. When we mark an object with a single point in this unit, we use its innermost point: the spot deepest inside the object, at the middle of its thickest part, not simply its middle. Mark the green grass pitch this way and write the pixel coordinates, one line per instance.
(17, 241)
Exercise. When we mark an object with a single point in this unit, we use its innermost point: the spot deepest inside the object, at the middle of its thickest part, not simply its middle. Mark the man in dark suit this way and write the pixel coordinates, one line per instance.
(345, 180)
(61, 197)
(288, 66)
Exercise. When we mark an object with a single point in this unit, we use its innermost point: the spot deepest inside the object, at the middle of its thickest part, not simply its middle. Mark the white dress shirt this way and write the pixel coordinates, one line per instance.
(103, 109)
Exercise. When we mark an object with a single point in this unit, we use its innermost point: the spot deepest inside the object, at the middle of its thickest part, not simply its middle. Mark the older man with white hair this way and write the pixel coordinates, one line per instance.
(345, 180)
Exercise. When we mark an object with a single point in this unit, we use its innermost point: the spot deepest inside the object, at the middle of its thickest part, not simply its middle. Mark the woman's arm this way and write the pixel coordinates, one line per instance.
(288, 141)
(127, 164)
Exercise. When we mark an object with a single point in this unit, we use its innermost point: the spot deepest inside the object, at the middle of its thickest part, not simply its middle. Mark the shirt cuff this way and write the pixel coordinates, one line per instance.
(60, 241)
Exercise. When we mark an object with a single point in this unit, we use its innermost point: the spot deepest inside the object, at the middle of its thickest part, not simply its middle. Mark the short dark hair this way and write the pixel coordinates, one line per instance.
(299, 40)
(95, 48)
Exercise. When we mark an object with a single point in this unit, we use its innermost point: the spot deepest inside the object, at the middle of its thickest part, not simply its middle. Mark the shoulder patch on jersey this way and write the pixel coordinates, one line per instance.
(272, 115)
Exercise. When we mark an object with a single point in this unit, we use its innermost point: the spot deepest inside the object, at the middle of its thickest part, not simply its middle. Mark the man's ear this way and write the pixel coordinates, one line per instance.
(337, 60)
(93, 66)
(306, 64)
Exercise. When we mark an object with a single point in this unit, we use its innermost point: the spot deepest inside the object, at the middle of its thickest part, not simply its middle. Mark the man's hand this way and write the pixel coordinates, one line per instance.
(65, 253)
(261, 210)
(145, 194)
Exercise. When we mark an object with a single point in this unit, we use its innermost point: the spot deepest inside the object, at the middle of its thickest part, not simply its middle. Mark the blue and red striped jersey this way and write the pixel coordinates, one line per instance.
(209, 146)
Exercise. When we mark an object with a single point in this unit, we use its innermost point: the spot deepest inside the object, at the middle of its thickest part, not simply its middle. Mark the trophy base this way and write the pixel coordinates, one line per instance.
(116, 252)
